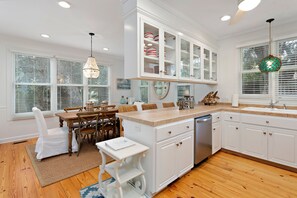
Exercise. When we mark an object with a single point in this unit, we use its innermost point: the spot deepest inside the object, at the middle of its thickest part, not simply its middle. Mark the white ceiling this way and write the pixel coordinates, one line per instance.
(70, 27)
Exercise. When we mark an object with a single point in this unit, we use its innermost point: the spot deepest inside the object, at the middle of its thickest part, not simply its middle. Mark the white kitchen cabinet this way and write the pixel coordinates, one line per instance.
(186, 145)
(216, 137)
(282, 146)
(254, 140)
(231, 136)
(155, 51)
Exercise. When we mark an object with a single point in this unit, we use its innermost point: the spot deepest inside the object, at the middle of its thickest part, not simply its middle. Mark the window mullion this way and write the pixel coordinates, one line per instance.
(54, 88)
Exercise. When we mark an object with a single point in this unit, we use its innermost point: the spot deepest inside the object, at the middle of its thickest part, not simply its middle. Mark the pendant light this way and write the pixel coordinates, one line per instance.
(91, 70)
(270, 63)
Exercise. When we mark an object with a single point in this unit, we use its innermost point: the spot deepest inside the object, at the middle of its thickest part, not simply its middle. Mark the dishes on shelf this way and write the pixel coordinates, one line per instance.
(149, 35)
(151, 52)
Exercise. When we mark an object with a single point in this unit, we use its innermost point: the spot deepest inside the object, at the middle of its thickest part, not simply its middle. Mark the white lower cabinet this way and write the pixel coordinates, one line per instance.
(174, 157)
(282, 146)
(231, 135)
(216, 137)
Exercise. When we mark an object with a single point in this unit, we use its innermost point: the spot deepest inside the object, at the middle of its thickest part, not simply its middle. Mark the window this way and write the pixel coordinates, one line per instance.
(52, 84)
(253, 82)
(287, 76)
(98, 89)
(32, 83)
(144, 91)
(184, 89)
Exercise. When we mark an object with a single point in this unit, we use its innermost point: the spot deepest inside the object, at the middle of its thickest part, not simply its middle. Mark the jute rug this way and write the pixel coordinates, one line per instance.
(56, 168)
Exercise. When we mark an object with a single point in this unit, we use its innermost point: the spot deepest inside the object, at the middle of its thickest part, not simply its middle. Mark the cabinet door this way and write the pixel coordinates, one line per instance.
(216, 137)
(282, 146)
(184, 68)
(231, 135)
(196, 62)
(253, 140)
(170, 61)
(206, 61)
(185, 153)
(166, 162)
(150, 54)
(214, 66)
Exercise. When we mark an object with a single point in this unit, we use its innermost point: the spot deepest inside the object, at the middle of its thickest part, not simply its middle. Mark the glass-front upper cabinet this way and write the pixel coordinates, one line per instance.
(184, 59)
(151, 49)
(214, 66)
(206, 59)
(196, 62)
(169, 55)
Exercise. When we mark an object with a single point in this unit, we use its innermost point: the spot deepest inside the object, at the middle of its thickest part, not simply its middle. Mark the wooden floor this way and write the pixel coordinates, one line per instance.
(224, 175)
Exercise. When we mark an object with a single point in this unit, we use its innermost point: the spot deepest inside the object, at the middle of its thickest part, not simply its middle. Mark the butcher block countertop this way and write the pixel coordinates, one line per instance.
(162, 116)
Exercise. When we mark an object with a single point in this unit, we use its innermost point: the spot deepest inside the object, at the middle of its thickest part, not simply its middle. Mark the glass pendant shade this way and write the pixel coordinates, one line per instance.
(270, 64)
(91, 70)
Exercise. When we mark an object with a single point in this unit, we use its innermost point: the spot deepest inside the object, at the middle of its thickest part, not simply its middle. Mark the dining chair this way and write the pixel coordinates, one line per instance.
(70, 109)
(149, 106)
(108, 123)
(88, 128)
(53, 141)
(168, 104)
(123, 109)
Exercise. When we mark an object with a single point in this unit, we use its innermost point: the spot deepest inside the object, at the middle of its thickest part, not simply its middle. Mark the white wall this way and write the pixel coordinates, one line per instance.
(12, 130)
(229, 58)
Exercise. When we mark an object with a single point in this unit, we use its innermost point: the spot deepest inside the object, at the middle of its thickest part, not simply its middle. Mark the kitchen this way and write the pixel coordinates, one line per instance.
(231, 41)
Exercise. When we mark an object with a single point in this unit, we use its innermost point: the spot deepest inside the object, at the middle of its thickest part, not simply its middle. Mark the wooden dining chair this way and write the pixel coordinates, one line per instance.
(108, 124)
(123, 109)
(168, 104)
(70, 109)
(88, 127)
(149, 106)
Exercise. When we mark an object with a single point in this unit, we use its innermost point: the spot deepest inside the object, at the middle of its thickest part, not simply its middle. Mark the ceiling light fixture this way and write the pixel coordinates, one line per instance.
(225, 18)
(91, 69)
(64, 4)
(247, 5)
(270, 63)
(179, 33)
(105, 49)
(44, 35)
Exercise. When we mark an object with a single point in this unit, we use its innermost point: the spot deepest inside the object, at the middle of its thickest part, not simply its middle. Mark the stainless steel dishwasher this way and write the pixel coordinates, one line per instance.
(203, 138)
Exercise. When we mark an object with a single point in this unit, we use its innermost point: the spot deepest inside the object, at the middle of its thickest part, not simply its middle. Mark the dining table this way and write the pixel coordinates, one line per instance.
(71, 118)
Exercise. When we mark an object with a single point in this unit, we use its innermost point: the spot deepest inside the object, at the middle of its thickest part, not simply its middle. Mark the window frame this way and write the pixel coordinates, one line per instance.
(148, 90)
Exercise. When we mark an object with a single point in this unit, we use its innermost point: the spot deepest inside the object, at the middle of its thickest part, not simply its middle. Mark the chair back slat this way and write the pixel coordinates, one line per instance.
(127, 108)
(88, 120)
(168, 104)
(68, 109)
(149, 106)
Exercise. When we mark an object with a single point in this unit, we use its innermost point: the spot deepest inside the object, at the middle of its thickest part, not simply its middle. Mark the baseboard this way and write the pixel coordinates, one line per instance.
(18, 138)
(289, 168)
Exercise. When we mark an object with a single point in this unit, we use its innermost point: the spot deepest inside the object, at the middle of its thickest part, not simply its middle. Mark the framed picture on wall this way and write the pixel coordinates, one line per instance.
(123, 83)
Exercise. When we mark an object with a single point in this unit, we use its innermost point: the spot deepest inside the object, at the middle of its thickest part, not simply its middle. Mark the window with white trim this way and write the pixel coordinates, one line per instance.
(253, 82)
(287, 76)
(37, 84)
(144, 91)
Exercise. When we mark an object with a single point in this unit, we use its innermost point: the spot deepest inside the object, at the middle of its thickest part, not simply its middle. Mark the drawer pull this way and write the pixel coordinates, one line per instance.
(267, 122)
(214, 129)
(188, 127)
(231, 118)
(264, 133)
(181, 143)
(236, 128)
(177, 144)
(270, 134)
(169, 132)
(218, 117)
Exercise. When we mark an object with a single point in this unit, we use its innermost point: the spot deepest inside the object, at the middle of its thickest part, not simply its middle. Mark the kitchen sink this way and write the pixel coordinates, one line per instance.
(272, 110)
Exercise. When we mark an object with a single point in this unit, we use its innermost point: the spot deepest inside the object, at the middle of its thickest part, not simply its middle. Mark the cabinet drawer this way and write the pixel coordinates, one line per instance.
(173, 129)
(235, 117)
(216, 117)
(254, 119)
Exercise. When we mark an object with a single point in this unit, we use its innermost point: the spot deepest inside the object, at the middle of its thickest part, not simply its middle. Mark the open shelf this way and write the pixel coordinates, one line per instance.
(126, 173)
(169, 62)
(128, 191)
(151, 41)
(169, 47)
(151, 59)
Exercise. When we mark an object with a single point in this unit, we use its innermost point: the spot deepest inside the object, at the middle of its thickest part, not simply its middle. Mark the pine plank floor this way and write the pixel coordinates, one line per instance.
(223, 176)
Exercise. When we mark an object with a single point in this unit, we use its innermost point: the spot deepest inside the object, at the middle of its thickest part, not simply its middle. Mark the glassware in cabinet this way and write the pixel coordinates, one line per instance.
(184, 59)
(214, 66)
(206, 59)
(169, 54)
(196, 62)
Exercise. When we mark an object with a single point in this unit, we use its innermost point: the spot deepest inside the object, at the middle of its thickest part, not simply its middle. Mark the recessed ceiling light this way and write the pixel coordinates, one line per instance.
(179, 33)
(64, 4)
(105, 49)
(225, 18)
(45, 35)
(247, 5)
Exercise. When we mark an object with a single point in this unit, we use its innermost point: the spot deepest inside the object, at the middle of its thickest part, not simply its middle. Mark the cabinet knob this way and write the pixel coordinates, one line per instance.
(236, 128)
(177, 144)
(169, 132)
(214, 129)
(160, 71)
(267, 122)
(264, 132)
(188, 127)
(181, 143)
(270, 134)
(218, 117)
(230, 117)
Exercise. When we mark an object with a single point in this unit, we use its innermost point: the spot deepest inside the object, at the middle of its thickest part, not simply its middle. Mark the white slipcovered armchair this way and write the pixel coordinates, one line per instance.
(51, 141)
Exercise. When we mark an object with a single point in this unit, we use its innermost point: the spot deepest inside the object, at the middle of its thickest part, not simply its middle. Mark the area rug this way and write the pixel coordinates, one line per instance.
(53, 169)
(93, 190)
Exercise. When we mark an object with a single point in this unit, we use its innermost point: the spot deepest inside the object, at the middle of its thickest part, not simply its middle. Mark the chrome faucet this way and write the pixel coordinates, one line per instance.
(272, 104)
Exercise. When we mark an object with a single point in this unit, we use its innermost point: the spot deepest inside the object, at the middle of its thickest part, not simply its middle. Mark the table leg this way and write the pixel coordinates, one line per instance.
(61, 122)
(102, 170)
(70, 125)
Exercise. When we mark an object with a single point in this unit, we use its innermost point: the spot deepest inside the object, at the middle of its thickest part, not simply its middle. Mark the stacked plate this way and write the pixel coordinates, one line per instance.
(156, 38)
(151, 52)
(149, 35)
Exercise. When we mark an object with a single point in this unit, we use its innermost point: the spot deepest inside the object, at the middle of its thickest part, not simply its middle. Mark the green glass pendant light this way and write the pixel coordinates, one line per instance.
(270, 63)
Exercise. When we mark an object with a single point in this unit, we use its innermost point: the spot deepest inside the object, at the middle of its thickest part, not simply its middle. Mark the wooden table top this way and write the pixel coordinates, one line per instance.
(73, 115)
